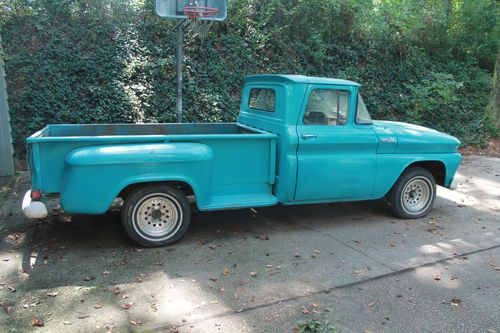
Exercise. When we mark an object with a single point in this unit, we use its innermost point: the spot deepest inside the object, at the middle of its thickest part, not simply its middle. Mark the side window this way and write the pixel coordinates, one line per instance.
(362, 115)
(263, 99)
(327, 107)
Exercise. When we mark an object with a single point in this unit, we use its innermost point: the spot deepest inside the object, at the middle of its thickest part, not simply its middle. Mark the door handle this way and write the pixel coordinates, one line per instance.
(309, 136)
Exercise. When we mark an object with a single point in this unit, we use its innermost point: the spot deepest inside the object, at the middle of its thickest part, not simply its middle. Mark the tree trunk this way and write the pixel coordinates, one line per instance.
(493, 109)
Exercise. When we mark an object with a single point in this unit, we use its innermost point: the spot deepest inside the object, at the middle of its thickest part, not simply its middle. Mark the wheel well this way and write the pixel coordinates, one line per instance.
(183, 186)
(436, 168)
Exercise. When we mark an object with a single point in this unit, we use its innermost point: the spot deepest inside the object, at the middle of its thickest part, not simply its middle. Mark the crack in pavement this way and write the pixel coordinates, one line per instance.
(324, 291)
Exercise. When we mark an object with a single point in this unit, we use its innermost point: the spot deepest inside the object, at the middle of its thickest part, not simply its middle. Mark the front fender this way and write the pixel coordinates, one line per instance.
(95, 175)
(391, 166)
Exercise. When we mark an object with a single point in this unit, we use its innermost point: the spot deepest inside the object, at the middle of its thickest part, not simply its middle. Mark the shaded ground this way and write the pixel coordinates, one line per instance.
(263, 270)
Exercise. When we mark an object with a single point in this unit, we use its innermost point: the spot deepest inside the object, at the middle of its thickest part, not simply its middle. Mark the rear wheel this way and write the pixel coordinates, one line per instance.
(156, 215)
(413, 194)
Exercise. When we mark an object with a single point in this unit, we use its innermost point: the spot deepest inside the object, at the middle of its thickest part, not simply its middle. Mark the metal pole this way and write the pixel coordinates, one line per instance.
(6, 150)
(180, 56)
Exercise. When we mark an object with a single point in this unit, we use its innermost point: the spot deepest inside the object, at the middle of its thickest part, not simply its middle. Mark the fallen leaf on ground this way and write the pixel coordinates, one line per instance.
(136, 322)
(98, 306)
(12, 289)
(314, 305)
(89, 278)
(66, 322)
(37, 322)
(226, 271)
(105, 272)
(117, 291)
(127, 306)
(494, 265)
(455, 301)
(305, 311)
(253, 274)
(372, 303)
(356, 272)
(436, 278)
(213, 279)
(154, 307)
(83, 316)
(52, 293)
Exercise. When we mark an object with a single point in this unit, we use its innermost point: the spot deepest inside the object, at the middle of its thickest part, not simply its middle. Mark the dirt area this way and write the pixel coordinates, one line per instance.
(493, 149)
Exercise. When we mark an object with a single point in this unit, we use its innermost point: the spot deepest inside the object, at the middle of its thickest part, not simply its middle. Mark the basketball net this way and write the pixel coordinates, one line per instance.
(200, 28)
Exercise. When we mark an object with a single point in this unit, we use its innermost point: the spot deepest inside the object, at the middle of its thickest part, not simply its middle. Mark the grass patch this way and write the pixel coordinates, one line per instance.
(314, 326)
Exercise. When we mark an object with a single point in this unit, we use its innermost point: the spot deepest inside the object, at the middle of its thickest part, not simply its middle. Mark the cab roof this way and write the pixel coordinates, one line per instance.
(298, 79)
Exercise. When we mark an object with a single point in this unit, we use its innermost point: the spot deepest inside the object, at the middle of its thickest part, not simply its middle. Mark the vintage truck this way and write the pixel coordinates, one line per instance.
(297, 140)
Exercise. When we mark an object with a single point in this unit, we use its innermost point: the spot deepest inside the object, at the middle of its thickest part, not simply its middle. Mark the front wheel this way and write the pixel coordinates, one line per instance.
(156, 215)
(413, 194)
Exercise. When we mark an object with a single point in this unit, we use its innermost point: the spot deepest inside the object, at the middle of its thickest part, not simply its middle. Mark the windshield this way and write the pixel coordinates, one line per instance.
(362, 115)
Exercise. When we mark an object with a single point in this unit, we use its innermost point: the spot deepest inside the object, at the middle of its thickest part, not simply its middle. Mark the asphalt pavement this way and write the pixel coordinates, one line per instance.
(352, 265)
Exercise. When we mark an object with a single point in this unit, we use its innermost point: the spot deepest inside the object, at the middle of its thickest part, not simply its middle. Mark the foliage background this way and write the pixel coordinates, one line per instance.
(105, 61)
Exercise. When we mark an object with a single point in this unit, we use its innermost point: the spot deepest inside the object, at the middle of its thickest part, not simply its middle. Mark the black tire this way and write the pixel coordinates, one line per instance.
(156, 215)
(413, 194)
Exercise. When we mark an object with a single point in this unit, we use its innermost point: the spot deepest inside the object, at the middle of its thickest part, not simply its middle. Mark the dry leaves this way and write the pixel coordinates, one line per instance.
(117, 291)
(154, 307)
(455, 301)
(37, 322)
(253, 274)
(52, 293)
(98, 306)
(226, 271)
(89, 278)
(136, 322)
(127, 306)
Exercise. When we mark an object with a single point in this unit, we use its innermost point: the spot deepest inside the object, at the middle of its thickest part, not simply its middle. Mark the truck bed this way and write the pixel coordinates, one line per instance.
(93, 130)
(243, 164)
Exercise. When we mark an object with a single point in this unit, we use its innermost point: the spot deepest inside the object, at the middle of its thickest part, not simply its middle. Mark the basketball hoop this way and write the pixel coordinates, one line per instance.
(199, 12)
(198, 16)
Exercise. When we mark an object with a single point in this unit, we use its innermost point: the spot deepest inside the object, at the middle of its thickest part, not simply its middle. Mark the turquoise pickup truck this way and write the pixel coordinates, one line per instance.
(298, 140)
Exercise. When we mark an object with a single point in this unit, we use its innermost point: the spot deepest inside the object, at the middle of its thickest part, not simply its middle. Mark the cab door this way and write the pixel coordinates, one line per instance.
(336, 157)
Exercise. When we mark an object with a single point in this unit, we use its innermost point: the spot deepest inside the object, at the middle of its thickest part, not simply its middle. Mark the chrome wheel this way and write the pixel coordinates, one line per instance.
(417, 195)
(157, 217)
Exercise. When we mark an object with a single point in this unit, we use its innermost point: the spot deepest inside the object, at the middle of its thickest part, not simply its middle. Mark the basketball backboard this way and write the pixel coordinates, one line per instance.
(175, 9)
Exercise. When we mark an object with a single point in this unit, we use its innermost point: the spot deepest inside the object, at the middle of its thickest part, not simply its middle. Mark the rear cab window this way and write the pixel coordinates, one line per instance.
(262, 99)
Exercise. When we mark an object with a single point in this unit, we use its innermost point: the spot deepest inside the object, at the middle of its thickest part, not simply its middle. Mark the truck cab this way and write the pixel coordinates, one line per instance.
(328, 143)
(297, 140)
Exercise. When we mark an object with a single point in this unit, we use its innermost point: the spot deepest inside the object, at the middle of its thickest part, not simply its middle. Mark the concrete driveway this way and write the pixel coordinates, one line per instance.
(264, 270)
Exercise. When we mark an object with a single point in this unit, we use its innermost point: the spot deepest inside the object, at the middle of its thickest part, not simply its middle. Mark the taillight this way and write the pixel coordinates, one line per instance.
(36, 194)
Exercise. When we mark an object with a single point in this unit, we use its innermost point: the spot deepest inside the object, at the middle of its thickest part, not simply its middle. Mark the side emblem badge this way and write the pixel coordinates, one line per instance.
(389, 140)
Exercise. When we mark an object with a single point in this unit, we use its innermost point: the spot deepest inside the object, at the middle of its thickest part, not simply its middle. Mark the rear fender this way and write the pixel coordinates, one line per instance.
(95, 175)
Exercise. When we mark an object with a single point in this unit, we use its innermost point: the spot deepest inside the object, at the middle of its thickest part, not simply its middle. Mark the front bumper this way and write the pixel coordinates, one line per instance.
(33, 209)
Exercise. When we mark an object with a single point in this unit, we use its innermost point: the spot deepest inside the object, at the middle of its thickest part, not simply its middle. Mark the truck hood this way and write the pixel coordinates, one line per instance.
(404, 138)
